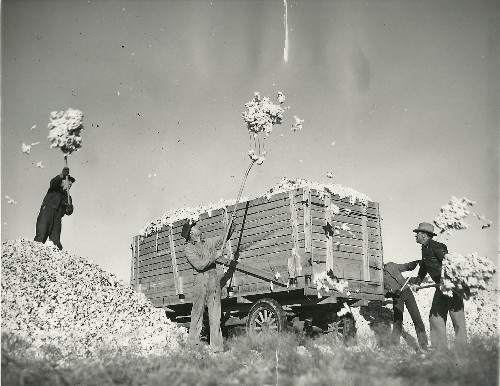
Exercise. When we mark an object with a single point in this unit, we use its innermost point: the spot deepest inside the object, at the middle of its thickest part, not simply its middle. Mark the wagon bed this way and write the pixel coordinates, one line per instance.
(280, 244)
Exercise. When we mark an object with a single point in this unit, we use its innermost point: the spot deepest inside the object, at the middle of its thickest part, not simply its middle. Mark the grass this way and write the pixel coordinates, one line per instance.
(269, 359)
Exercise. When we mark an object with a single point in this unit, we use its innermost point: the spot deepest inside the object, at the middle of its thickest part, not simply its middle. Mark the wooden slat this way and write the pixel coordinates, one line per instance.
(341, 238)
(132, 247)
(366, 262)
(306, 200)
(294, 263)
(329, 239)
(229, 247)
(174, 262)
(136, 269)
(344, 204)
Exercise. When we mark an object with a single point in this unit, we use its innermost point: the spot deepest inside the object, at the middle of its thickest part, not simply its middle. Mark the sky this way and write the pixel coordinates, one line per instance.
(400, 101)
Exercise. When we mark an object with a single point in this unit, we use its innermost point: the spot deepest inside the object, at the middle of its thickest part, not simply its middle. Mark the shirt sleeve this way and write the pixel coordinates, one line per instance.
(196, 259)
(216, 242)
(409, 266)
(440, 250)
(55, 182)
(422, 272)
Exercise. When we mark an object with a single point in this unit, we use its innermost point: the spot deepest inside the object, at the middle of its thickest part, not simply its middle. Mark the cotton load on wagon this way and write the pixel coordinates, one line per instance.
(293, 237)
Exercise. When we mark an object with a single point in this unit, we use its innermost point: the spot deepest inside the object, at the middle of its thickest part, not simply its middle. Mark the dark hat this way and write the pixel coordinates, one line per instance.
(425, 227)
(186, 229)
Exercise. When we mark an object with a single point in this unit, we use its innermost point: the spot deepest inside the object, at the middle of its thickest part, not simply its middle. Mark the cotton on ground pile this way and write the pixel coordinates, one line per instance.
(67, 308)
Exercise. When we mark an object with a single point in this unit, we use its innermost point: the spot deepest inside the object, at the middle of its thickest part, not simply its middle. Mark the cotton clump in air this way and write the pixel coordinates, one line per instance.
(262, 114)
(452, 215)
(64, 130)
(27, 148)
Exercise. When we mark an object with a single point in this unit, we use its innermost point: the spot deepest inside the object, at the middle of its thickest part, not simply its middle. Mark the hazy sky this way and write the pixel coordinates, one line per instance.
(407, 90)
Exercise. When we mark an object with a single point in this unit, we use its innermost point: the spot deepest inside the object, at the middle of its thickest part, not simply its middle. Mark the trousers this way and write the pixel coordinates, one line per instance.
(443, 305)
(49, 225)
(207, 293)
(399, 303)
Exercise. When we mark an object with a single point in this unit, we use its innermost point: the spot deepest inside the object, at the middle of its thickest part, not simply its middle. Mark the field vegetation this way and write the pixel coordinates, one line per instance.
(268, 359)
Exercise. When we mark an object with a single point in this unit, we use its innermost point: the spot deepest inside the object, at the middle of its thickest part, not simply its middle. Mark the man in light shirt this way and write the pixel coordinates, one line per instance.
(202, 253)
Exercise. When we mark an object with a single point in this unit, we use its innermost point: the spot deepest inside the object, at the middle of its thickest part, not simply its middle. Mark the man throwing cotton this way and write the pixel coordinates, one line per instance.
(433, 254)
(55, 205)
(202, 253)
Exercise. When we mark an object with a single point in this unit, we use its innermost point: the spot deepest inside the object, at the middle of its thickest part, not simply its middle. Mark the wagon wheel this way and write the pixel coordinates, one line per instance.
(345, 328)
(266, 315)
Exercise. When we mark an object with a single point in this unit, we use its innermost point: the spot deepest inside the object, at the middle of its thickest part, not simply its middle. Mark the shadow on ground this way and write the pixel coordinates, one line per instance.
(379, 316)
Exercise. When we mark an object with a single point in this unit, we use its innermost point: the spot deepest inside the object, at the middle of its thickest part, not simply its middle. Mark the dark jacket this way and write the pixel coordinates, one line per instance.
(57, 198)
(393, 279)
(432, 260)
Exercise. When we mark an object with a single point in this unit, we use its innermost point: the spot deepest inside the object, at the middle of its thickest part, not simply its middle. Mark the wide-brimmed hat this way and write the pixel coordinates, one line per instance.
(186, 229)
(425, 227)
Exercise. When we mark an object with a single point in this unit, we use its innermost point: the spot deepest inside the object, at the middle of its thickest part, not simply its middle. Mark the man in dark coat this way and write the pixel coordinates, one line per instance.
(55, 205)
(393, 283)
(433, 254)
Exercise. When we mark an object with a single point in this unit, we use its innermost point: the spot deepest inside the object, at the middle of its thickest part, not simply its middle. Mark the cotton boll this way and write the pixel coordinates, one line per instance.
(26, 148)
(281, 97)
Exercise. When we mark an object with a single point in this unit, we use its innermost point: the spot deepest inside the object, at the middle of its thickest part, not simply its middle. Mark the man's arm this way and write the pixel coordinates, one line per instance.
(422, 272)
(56, 182)
(409, 266)
(198, 261)
(440, 250)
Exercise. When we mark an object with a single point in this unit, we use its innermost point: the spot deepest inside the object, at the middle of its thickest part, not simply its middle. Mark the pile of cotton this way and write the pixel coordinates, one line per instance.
(65, 308)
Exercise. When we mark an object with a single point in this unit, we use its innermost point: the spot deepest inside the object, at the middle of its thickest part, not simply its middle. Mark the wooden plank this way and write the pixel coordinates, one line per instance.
(229, 247)
(161, 258)
(306, 200)
(136, 269)
(280, 239)
(379, 236)
(371, 232)
(266, 250)
(167, 288)
(317, 239)
(268, 245)
(340, 218)
(132, 261)
(174, 262)
(366, 262)
(250, 270)
(329, 233)
(374, 261)
(268, 258)
(244, 277)
(345, 204)
(294, 263)
(268, 231)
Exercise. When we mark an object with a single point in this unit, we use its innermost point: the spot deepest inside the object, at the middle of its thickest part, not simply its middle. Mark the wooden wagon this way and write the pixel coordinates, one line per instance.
(280, 246)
